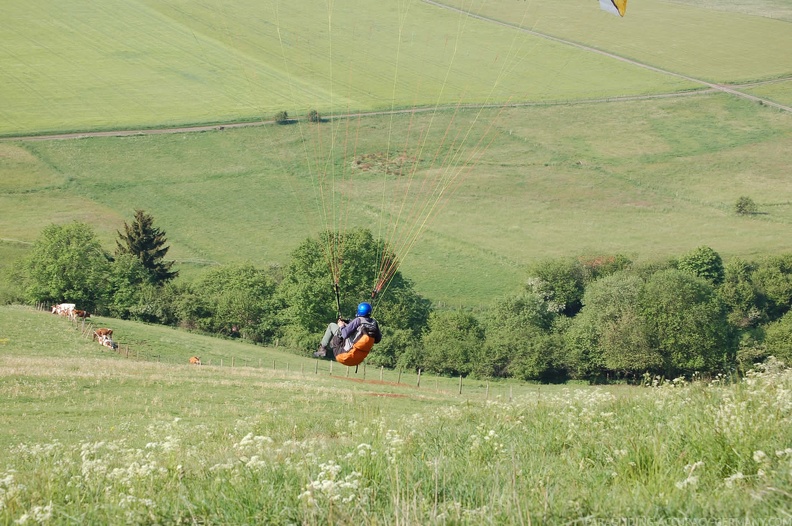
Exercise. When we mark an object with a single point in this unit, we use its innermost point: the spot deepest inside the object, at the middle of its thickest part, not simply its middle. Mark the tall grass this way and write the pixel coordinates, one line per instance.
(281, 451)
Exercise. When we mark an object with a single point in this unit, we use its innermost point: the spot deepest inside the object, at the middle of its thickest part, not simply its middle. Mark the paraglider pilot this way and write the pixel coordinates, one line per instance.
(351, 342)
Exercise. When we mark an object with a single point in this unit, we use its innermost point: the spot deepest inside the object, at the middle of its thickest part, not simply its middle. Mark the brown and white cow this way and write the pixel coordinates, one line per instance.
(102, 333)
(108, 342)
(63, 309)
(77, 313)
(195, 360)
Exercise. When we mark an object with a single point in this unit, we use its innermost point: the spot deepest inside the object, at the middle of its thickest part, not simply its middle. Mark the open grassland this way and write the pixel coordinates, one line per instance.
(645, 178)
(707, 40)
(780, 92)
(76, 65)
(778, 9)
(94, 438)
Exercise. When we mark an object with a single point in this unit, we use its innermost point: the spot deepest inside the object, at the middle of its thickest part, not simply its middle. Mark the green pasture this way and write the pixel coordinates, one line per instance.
(76, 65)
(720, 41)
(780, 92)
(777, 9)
(152, 363)
(646, 178)
(93, 437)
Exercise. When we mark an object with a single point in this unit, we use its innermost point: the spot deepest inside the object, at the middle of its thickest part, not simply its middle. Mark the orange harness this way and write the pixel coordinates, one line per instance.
(358, 352)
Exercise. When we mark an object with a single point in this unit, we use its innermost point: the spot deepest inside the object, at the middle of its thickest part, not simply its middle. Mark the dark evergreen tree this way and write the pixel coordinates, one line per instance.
(147, 243)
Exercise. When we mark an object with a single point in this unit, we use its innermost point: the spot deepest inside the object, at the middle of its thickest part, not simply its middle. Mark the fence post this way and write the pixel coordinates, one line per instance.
(419, 378)
(460, 384)
(486, 396)
(399, 380)
(382, 369)
(316, 366)
(331, 368)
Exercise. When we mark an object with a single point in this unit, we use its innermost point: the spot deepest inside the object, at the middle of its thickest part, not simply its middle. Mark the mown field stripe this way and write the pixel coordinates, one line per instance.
(720, 87)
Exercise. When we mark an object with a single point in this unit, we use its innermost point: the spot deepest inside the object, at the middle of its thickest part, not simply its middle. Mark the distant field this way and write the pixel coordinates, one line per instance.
(716, 40)
(648, 179)
(778, 9)
(75, 65)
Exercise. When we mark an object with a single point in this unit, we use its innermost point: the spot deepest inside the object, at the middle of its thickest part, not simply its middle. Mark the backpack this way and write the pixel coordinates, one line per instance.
(369, 328)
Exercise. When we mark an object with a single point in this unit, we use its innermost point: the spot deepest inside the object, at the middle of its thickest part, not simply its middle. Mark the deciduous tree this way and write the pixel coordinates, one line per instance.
(67, 264)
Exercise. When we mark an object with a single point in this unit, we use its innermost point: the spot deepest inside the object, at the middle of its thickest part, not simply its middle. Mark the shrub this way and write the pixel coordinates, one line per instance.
(313, 116)
(282, 117)
(453, 342)
(778, 339)
(560, 282)
(687, 323)
(745, 206)
(703, 262)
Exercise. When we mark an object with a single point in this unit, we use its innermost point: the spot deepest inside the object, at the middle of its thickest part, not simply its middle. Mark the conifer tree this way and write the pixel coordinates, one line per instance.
(146, 242)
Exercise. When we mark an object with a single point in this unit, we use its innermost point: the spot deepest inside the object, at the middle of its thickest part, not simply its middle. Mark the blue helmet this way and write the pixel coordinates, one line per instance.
(364, 309)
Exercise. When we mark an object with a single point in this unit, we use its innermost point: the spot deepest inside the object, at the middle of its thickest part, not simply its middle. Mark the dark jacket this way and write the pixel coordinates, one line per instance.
(350, 328)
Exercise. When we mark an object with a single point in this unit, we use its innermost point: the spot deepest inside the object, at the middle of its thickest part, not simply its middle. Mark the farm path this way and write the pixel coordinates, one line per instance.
(711, 85)
(223, 126)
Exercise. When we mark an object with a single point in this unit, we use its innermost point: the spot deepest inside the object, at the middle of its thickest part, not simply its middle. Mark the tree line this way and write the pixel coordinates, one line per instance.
(596, 319)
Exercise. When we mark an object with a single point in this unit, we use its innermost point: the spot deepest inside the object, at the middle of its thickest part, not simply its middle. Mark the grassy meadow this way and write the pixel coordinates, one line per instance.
(719, 41)
(92, 437)
(646, 178)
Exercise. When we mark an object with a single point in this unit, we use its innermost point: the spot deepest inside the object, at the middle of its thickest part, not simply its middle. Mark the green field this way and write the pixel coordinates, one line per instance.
(579, 154)
(79, 66)
(649, 179)
(718, 41)
(93, 437)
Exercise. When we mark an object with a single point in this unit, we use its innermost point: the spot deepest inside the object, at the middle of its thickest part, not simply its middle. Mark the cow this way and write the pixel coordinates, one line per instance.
(102, 333)
(63, 309)
(194, 360)
(108, 342)
(77, 313)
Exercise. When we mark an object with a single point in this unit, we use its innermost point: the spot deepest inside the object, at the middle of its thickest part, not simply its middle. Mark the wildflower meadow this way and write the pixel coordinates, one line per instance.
(276, 448)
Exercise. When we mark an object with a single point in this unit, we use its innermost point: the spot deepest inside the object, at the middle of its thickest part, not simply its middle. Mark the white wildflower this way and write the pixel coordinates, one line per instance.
(734, 479)
(691, 479)
(39, 514)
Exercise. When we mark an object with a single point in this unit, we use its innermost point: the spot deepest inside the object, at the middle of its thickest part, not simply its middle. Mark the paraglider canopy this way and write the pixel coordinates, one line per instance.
(616, 7)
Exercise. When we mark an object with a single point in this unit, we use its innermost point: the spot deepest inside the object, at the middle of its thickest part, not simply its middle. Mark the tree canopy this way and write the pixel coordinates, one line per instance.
(67, 264)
